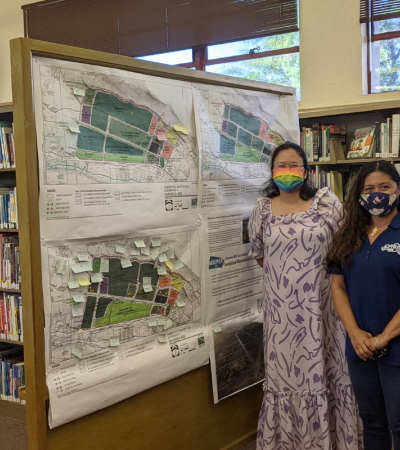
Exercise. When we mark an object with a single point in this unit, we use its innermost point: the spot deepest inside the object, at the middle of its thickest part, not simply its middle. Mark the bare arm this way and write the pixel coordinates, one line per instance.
(391, 331)
(260, 262)
(360, 339)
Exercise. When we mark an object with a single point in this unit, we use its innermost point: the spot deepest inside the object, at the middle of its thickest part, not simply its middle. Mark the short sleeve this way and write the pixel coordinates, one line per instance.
(329, 207)
(256, 233)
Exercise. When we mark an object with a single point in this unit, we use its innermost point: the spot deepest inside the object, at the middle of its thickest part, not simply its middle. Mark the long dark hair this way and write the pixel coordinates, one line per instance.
(354, 225)
(271, 190)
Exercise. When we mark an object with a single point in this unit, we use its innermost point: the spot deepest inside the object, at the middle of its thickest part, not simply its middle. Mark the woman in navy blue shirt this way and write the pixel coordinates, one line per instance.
(364, 259)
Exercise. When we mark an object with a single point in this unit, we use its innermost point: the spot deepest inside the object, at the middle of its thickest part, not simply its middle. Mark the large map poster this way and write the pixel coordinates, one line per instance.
(237, 131)
(146, 186)
(108, 148)
(118, 166)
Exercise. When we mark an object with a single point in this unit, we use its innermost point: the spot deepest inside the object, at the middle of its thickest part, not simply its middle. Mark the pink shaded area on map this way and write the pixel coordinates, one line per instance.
(263, 131)
(153, 125)
(167, 150)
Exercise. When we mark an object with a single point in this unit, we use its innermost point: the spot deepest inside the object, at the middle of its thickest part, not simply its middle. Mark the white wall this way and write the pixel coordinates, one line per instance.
(330, 53)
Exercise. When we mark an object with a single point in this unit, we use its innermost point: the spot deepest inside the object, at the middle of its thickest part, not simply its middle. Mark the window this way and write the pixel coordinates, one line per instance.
(385, 56)
(382, 19)
(272, 59)
(172, 58)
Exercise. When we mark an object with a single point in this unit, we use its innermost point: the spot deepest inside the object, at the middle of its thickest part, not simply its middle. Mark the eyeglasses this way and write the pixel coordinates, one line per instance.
(290, 166)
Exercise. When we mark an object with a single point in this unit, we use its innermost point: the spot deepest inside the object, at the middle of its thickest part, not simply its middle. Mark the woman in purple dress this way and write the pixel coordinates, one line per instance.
(308, 400)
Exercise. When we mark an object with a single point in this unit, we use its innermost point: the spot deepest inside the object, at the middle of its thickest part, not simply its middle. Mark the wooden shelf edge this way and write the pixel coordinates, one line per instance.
(14, 291)
(8, 230)
(11, 409)
(350, 161)
(9, 341)
(8, 170)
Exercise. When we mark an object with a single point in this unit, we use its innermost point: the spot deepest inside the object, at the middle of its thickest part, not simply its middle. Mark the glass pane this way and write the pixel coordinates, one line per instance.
(280, 69)
(385, 60)
(244, 47)
(171, 58)
(385, 26)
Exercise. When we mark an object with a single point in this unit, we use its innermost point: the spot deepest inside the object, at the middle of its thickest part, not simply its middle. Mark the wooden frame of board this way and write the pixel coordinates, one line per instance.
(176, 415)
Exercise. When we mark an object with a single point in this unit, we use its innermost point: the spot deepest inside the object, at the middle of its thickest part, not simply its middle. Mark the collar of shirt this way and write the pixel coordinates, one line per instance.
(395, 223)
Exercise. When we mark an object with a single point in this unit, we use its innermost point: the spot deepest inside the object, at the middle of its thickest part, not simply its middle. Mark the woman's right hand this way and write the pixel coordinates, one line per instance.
(361, 341)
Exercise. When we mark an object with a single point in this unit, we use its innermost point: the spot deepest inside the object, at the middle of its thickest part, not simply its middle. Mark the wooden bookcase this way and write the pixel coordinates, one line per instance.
(7, 408)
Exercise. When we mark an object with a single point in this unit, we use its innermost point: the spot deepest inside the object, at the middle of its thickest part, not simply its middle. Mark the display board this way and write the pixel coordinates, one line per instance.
(146, 186)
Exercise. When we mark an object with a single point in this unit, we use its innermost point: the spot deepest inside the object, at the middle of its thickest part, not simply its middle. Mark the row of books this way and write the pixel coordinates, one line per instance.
(316, 140)
(331, 179)
(7, 154)
(8, 208)
(11, 318)
(10, 271)
(384, 137)
(12, 374)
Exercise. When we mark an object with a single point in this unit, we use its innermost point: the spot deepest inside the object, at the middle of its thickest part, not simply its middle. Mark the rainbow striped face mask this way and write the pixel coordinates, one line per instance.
(288, 179)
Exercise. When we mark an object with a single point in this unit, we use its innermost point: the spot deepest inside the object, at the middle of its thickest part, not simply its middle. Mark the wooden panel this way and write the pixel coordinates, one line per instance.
(176, 415)
(29, 242)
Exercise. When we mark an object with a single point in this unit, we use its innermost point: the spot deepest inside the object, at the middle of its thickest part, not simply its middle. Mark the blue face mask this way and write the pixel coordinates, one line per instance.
(379, 204)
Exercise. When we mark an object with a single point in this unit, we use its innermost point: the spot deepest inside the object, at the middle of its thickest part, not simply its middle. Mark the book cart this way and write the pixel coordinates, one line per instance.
(176, 415)
(8, 179)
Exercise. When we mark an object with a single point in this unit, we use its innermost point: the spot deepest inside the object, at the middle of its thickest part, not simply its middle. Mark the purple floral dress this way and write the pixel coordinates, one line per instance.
(308, 400)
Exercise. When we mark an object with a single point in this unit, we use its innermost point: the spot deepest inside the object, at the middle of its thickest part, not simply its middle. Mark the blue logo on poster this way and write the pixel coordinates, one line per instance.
(215, 262)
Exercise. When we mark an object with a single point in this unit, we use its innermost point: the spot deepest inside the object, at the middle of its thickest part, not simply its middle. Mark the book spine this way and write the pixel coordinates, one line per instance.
(315, 129)
(389, 138)
(377, 139)
(327, 143)
(395, 135)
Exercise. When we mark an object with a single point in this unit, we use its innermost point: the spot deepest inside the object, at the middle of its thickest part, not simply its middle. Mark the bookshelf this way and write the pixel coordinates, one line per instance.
(8, 179)
(361, 117)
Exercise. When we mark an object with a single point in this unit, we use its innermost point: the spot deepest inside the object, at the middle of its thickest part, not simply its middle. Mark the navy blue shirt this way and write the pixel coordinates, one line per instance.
(373, 285)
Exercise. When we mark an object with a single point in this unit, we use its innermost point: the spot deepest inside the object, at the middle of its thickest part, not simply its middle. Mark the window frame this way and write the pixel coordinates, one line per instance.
(200, 57)
(371, 38)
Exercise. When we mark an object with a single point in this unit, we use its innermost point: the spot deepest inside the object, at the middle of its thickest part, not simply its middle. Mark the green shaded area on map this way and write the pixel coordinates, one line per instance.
(102, 304)
(131, 290)
(244, 137)
(96, 265)
(226, 112)
(232, 129)
(124, 158)
(88, 100)
(81, 154)
(129, 133)
(227, 157)
(114, 146)
(121, 311)
(148, 270)
(89, 139)
(109, 105)
(257, 144)
(141, 295)
(119, 278)
(245, 121)
(227, 145)
(245, 154)
(151, 159)
(88, 314)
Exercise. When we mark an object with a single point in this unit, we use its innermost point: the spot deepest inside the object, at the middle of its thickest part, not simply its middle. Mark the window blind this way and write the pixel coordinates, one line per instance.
(143, 27)
(373, 10)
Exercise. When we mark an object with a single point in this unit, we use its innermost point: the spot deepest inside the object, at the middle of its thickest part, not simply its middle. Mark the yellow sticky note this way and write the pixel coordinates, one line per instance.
(177, 126)
(184, 130)
(169, 264)
(84, 281)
